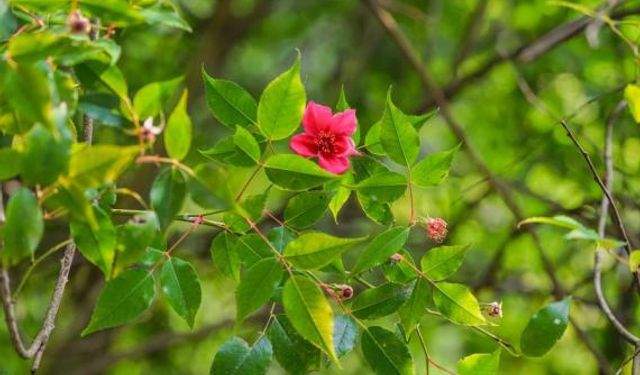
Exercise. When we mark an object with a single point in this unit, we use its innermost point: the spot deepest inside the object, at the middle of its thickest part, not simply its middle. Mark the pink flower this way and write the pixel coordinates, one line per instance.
(327, 136)
(436, 229)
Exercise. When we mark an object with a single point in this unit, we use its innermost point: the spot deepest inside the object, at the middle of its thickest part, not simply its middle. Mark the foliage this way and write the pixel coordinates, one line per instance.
(80, 128)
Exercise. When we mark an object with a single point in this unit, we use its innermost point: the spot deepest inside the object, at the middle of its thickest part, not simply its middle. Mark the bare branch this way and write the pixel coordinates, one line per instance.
(525, 53)
(604, 207)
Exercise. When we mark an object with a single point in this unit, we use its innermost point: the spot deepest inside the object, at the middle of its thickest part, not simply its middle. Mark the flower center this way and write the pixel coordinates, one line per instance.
(326, 142)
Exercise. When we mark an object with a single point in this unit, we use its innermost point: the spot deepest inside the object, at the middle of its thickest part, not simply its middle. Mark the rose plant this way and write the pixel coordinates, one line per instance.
(322, 294)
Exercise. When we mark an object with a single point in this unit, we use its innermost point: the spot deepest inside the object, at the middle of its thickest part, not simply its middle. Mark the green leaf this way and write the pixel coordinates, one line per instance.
(96, 243)
(135, 235)
(372, 139)
(30, 96)
(23, 228)
(280, 237)
(247, 143)
(345, 334)
(296, 355)
(383, 187)
(441, 262)
(381, 248)
(400, 272)
(177, 135)
(10, 163)
(398, 137)
(117, 12)
(227, 151)
(376, 211)
(457, 304)
(415, 307)
(235, 357)
(374, 303)
(293, 172)
(251, 248)
(165, 14)
(151, 99)
(99, 165)
(122, 300)
(230, 104)
(545, 328)
(44, 158)
(26, 48)
(434, 168)
(110, 76)
(342, 104)
(282, 104)
(340, 196)
(632, 96)
(480, 364)
(418, 121)
(257, 286)
(310, 313)
(314, 250)
(386, 353)
(224, 255)
(167, 195)
(634, 260)
(559, 221)
(306, 208)
(181, 285)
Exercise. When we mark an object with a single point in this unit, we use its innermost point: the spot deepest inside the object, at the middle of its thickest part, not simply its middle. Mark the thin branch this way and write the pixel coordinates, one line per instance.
(49, 322)
(592, 168)
(604, 208)
(526, 52)
(470, 32)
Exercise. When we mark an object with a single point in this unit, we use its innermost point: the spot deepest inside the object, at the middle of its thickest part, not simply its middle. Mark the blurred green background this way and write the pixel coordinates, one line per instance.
(342, 43)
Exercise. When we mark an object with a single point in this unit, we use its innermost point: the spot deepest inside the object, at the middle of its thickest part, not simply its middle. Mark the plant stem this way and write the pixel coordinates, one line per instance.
(35, 263)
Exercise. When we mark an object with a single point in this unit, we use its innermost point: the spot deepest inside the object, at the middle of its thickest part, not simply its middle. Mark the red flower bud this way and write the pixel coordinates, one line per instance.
(347, 292)
(78, 24)
(494, 309)
(395, 259)
(436, 229)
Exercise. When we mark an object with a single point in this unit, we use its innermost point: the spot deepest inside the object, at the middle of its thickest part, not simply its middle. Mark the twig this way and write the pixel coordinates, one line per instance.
(423, 344)
(190, 218)
(48, 324)
(471, 29)
(604, 208)
(616, 213)
(526, 52)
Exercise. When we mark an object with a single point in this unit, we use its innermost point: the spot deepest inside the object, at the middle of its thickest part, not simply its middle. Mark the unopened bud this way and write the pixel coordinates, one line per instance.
(343, 291)
(77, 23)
(494, 309)
(395, 259)
(436, 229)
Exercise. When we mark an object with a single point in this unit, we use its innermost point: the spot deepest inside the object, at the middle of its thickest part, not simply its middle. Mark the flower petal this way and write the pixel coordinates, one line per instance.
(344, 146)
(344, 123)
(316, 118)
(304, 145)
(334, 164)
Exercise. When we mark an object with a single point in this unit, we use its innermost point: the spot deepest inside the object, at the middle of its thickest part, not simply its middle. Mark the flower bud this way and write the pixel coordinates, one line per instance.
(436, 229)
(342, 291)
(77, 23)
(494, 309)
(395, 259)
(347, 292)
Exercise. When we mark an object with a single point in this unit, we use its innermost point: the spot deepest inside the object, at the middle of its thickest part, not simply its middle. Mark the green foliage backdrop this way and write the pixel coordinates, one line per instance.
(494, 166)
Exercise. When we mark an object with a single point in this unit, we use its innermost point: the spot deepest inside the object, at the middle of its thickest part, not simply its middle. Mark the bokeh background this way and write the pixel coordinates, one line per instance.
(480, 51)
